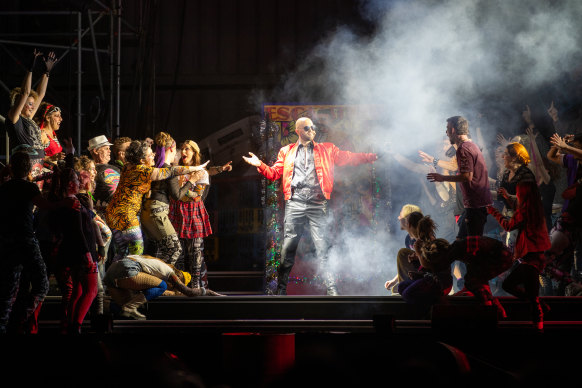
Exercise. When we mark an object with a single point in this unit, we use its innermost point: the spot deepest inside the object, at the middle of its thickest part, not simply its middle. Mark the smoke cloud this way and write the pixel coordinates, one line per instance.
(427, 61)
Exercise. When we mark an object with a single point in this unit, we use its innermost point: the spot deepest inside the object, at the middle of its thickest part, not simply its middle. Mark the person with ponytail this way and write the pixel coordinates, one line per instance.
(432, 280)
(484, 258)
(532, 241)
(123, 210)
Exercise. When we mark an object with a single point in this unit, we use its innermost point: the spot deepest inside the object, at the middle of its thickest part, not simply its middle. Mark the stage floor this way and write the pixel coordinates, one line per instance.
(284, 341)
(351, 314)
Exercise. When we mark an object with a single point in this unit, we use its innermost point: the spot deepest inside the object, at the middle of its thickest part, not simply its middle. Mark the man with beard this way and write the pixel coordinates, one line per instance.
(472, 177)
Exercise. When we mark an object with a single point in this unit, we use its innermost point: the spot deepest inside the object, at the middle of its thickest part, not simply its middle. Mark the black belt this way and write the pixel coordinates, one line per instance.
(306, 191)
(159, 208)
(308, 194)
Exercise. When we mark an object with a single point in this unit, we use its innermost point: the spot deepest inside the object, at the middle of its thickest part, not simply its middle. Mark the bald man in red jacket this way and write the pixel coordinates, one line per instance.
(307, 170)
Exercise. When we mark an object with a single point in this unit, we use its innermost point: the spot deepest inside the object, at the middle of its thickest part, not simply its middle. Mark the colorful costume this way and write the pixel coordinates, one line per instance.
(122, 212)
(192, 224)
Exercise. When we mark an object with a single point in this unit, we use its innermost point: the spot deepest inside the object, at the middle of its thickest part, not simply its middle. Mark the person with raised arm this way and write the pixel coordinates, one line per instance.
(307, 168)
(24, 103)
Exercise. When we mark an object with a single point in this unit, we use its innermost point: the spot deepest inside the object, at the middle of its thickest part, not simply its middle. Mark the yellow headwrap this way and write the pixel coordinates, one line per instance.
(520, 152)
(187, 277)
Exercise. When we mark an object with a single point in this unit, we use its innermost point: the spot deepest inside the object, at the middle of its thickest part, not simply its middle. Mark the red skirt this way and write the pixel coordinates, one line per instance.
(190, 219)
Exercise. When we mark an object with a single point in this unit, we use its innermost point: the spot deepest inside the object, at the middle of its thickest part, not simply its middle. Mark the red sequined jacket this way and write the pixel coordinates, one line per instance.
(325, 155)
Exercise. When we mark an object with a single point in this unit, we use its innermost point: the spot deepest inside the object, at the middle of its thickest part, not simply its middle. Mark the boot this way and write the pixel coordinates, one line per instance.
(329, 283)
(538, 315)
(102, 323)
(332, 290)
(73, 329)
(281, 288)
(197, 269)
(501, 314)
(129, 309)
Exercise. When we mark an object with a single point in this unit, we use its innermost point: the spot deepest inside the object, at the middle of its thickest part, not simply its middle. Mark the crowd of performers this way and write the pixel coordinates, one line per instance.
(84, 219)
(140, 204)
(528, 246)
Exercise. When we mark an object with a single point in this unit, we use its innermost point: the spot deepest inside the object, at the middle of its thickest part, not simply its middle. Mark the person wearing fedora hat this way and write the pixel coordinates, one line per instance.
(98, 142)
(107, 176)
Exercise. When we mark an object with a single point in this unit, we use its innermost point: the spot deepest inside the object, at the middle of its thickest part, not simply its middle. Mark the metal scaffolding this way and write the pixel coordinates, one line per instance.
(113, 52)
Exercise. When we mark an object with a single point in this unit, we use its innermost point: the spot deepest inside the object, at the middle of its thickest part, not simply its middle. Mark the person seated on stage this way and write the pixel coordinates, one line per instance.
(484, 258)
(137, 279)
(432, 279)
(405, 259)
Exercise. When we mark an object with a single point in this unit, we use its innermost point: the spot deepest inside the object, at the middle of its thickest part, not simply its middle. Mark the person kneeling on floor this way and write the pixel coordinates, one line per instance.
(137, 279)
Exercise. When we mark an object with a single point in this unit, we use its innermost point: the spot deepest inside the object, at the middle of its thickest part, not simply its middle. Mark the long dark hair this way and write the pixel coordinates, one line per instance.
(426, 229)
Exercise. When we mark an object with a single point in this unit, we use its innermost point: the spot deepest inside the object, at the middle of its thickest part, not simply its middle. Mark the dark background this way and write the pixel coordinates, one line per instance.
(187, 67)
